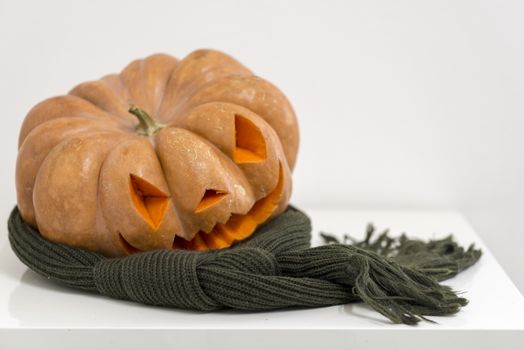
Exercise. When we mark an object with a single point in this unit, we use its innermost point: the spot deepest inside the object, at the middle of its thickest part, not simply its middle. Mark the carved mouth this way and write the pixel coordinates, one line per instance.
(238, 227)
(128, 247)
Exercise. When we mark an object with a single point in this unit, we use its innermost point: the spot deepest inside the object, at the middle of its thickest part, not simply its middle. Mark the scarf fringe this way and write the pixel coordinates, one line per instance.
(398, 277)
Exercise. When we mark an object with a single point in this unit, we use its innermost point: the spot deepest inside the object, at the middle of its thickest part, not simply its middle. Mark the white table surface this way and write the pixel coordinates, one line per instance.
(37, 313)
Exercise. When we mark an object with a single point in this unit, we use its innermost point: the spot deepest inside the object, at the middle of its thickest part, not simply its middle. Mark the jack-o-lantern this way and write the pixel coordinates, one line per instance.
(191, 154)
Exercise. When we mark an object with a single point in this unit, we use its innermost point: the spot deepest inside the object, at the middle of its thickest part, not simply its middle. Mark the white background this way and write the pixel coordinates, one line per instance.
(402, 105)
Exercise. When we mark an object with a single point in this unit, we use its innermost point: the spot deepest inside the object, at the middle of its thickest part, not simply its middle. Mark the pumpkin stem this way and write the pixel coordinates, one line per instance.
(147, 126)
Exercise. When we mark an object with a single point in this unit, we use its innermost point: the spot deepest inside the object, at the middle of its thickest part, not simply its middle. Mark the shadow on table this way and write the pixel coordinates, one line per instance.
(37, 300)
(10, 266)
(361, 310)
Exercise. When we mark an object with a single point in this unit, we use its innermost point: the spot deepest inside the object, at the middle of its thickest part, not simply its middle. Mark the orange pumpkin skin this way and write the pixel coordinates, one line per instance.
(215, 165)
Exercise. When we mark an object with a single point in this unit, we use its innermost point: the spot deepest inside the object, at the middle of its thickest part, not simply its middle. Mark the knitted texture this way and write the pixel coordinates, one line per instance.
(274, 268)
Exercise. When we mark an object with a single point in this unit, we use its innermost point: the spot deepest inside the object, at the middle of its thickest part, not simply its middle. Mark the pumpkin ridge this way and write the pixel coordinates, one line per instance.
(106, 127)
(81, 234)
(26, 203)
(121, 90)
(101, 215)
(225, 66)
(58, 144)
(151, 107)
(101, 94)
(35, 112)
(169, 189)
(184, 107)
(156, 109)
(128, 98)
(169, 186)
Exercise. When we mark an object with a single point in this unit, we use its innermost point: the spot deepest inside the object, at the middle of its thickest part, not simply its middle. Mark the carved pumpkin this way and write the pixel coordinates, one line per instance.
(191, 154)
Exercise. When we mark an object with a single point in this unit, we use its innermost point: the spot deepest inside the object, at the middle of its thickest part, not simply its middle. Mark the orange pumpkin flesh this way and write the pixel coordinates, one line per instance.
(250, 145)
(210, 198)
(204, 164)
(150, 202)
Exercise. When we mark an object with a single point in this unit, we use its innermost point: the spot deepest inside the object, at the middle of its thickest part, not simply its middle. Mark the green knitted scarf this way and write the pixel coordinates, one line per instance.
(274, 268)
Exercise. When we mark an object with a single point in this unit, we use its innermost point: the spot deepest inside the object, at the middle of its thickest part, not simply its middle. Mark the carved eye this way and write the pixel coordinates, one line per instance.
(250, 146)
(210, 198)
(149, 201)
